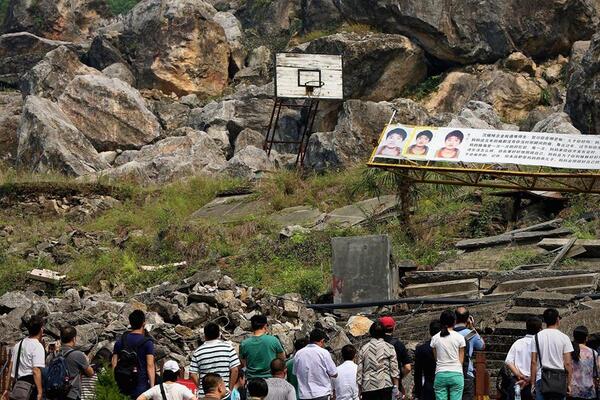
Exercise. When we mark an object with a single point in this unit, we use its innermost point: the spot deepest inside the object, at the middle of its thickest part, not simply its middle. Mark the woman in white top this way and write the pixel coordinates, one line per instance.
(172, 390)
(449, 351)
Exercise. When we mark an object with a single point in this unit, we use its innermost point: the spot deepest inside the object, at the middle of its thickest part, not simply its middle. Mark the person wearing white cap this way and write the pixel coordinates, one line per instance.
(169, 389)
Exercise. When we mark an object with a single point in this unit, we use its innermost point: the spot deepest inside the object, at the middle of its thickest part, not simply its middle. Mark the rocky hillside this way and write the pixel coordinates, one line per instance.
(157, 90)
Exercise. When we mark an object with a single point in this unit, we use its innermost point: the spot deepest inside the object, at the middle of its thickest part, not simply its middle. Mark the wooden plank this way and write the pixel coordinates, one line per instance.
(576, 251)
(553, 224)
(523, 236)
(562, 254)
(301, 60)
(591, 246)
(287, 84)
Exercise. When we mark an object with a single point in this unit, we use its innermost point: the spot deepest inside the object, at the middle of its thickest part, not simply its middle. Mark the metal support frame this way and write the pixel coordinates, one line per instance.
(498, 176)
(308, 120)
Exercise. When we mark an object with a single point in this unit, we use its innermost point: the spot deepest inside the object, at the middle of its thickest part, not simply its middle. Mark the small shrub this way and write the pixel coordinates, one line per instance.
(425, 88)
(520, 257)
(106, 387)
(121, 6)
(3, 10)
(546, 97)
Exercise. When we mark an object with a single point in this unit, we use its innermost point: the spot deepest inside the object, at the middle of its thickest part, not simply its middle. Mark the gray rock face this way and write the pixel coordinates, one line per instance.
(377, 66)
(48, 141)
(250, 163)
(11, 104)
(72, 20)
(468, 31)
(480, 115)
(556, 123)
(583, 103)
(171, 158)
(49, 77)
(175, 46)
(120, 71)
(109, 112)
(354, 138)
(248, 137)
(233, 32)
(19, 52)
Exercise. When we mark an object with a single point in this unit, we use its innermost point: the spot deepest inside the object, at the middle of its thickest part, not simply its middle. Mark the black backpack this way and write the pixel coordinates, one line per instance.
(127, 370)
(58, 382)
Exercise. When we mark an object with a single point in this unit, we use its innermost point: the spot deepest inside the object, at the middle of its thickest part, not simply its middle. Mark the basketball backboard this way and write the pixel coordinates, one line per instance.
(301, 76)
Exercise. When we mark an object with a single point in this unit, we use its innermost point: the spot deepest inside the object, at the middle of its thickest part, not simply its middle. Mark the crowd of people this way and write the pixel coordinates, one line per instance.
(544, 364)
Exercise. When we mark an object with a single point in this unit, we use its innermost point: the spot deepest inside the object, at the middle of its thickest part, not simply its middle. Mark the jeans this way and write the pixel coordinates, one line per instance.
(469, 389)
(448, 385)
(540, 396)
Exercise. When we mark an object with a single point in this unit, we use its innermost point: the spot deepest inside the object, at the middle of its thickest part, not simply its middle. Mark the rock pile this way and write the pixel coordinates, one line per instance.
(176, 314)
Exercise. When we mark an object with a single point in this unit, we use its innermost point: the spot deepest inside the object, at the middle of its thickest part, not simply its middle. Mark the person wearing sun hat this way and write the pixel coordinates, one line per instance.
(404, 360)
(169, 389)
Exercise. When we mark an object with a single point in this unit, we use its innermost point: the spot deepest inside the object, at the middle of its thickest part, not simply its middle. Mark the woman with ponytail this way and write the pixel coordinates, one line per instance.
(449, 351)
(584, 371)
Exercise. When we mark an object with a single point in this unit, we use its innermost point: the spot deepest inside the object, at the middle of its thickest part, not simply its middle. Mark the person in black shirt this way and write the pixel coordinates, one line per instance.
(404, 360)
(425, 366)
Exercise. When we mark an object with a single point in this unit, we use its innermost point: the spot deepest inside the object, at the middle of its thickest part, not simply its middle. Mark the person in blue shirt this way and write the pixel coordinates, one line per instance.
(465, 325)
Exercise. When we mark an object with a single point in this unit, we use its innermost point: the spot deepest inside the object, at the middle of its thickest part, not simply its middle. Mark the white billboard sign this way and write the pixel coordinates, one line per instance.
(484, 146)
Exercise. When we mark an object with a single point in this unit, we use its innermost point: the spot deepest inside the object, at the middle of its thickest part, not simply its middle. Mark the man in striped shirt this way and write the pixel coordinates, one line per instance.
(214, 356)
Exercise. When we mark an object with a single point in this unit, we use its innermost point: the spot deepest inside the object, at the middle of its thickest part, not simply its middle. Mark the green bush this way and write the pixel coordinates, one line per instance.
(106, 387)
(121, 6)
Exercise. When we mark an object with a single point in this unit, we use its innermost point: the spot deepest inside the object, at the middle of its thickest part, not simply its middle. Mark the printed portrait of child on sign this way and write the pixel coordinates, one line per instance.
(420, 146)
(392, 144)
(451, 145)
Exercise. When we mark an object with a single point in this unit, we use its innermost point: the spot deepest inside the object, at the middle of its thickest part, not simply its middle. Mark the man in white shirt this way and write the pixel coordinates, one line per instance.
(31, 358)
(555, 348)
(518, 359)
(345, 386)
(169, 386)
(314, 368)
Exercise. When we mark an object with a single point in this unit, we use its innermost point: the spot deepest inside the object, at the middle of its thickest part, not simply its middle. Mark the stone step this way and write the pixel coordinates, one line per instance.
(542, 299)
(577, 289)
(510, 328)
(443, 289)
(554, 282)
(519, 313)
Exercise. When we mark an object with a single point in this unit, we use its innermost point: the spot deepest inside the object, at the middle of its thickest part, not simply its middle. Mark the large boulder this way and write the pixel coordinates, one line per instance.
(467, 31)
(233, 32)
(49, 77)
(513, 95)
(353, 139)
(19, 52)
(250, 163)
(72, 20)
(377, 66)
(170, 159)
(48, 141)
(583, 102)
(109, 112)
(175, 46)
(120, 71)
(556, 123)
(11, 104)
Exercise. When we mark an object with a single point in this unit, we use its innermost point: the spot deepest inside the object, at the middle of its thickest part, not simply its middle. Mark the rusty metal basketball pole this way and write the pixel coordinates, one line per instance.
(301, 82)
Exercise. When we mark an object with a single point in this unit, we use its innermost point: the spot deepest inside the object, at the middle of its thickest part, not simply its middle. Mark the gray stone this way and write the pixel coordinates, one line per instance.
(220, 136)
(190, 100)
(226, 283)
(377, 66)
(410, 112)
(71, 301)
(11, 300)
(172, 115)
(299, 215)
(49, 77)
(231, 208)
(120, 71)
(249, 163)
(292, 230)
(234, 35)
(164, 308)
(48, 141)
(361, 269)
(248, 137)
(109, 112)
(519, 62)
(556, 123)
(11, 104)
(358, 213)
(194, 314)
(292, 302)
(171, 158)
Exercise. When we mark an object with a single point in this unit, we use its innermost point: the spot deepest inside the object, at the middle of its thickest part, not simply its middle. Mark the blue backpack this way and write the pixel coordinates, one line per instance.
(57, 383)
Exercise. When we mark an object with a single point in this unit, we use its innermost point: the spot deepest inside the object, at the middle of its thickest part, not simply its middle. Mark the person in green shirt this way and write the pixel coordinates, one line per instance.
(257, 351)
(291, 375)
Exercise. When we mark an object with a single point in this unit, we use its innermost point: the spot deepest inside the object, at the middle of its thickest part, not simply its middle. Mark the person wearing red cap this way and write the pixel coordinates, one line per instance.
(404, 360)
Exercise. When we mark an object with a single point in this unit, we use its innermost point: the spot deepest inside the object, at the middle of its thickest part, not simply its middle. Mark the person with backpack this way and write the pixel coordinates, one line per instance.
(551, 363)
(133, 358)
(465, 325)
(518, 361)
(63, 375)
(585, 367)
(449, 352)
(168, 389)
(27, 363)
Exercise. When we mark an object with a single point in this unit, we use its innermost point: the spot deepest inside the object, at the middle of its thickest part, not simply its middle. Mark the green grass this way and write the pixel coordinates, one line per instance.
(121, 6)
(521, 257)
(3, 10)
(425, 88)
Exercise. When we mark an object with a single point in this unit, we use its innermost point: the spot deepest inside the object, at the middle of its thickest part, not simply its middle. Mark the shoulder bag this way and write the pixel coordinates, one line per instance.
(21, 390)
(554, 381)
